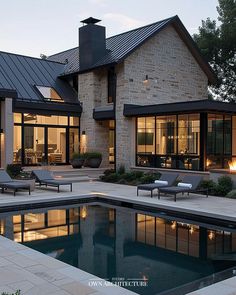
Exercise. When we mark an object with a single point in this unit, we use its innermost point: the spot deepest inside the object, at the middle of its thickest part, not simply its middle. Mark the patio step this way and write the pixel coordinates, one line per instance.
(83, 174)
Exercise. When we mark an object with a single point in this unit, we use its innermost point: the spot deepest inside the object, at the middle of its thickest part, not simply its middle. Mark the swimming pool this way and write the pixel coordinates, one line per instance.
(147, 252)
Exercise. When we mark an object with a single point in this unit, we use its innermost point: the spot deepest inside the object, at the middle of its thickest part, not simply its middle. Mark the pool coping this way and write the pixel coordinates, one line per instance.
(142, 204)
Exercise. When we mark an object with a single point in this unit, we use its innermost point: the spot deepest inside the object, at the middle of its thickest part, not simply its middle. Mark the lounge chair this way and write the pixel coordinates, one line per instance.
(44, 177)
(189, 184)
(6, 182)
(166, 179)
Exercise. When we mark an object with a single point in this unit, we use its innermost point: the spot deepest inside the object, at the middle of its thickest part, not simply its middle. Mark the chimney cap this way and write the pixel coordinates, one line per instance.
(90, 20)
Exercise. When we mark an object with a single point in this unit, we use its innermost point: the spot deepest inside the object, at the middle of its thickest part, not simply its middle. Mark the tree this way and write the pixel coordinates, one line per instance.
(218, 45)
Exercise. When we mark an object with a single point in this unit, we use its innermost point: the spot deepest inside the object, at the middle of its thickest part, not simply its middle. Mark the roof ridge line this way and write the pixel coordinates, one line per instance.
(164, 20)
(32, 57)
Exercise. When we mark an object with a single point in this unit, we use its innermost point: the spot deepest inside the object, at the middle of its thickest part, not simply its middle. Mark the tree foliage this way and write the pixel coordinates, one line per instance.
(217, 41)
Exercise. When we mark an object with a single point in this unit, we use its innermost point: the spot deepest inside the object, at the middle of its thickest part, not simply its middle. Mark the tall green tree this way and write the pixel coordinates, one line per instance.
(217, 41)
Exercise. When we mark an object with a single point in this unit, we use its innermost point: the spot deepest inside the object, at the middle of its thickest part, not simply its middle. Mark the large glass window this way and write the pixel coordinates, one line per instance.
(56, 145)
(145, 140)
(34, 145)
(166, 135)
(169, 141)
(46, 138)
(47, 120)
(17, 147)
(73, 141)
(219, 137)
(188, 134)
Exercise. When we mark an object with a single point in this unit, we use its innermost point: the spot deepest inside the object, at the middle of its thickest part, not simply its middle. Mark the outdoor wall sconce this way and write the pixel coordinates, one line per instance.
(145, 81)
(83, 132)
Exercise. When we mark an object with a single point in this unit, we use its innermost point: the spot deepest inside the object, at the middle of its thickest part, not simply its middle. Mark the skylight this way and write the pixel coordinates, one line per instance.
(49, 93)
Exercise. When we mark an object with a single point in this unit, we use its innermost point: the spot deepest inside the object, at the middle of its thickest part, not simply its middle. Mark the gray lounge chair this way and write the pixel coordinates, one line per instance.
(6, 182)
(194, 180)
(169, 177)
(44, 177)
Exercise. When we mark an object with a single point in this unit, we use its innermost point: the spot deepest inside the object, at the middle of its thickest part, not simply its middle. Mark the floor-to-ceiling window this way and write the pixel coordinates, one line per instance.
(219, 141)
(42, 139)
(169, 141)
(111, 141)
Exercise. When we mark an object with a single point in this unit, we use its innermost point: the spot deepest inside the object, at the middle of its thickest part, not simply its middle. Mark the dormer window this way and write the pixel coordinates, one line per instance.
(49, 93)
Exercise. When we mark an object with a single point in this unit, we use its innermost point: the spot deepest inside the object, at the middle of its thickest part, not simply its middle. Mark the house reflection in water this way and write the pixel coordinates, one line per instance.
(121, 242)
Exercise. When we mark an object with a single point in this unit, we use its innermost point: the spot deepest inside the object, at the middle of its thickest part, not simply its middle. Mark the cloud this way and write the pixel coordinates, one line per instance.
(125, 22)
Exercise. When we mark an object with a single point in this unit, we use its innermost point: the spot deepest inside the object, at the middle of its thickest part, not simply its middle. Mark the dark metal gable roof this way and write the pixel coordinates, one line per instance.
(22, 73)
(120, 46)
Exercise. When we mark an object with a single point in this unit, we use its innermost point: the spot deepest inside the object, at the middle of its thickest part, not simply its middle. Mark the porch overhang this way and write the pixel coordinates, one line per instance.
(47, 108)
(198, 106)
(10, 93)
(104, 113)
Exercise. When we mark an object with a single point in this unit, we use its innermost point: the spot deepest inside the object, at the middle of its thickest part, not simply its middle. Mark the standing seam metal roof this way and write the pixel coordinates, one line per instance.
(117, 47)
(22, 73)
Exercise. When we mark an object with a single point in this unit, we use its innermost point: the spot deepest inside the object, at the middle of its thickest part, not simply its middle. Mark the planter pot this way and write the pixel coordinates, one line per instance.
(93, 162)
(77, 163)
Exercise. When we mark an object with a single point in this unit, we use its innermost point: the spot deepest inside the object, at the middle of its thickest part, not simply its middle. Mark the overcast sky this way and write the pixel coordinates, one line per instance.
(31, 27)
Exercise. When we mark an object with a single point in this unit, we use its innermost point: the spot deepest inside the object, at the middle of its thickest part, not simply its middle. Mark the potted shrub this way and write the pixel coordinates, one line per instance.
(77, 160)
(93, 159)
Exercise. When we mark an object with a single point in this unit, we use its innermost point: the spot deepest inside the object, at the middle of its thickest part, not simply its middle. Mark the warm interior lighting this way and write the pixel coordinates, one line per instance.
(232, 166)
(211, 235)
(173, 225)
(191, 230)
(145, 81)
(208, 162)
(84, 212)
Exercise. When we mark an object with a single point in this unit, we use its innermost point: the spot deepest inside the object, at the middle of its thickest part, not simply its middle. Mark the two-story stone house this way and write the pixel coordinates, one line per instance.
(140, 98)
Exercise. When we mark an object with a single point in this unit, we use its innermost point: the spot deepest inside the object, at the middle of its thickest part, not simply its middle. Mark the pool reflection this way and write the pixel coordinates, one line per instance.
(121, 242)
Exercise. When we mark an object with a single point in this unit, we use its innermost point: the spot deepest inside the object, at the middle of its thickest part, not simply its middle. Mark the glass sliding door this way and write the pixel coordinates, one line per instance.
(73, 141)
(34, 145)
(56, 145)
(17, 149)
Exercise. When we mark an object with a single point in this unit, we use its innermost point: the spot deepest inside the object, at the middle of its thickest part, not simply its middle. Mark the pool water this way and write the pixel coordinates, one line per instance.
(121, 243)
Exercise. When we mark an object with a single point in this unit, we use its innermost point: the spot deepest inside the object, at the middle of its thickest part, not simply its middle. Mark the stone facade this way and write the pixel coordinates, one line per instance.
(91, 90)
(173, 76)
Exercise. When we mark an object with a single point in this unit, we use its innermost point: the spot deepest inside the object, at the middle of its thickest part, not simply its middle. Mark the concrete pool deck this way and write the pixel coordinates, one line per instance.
(23, 268)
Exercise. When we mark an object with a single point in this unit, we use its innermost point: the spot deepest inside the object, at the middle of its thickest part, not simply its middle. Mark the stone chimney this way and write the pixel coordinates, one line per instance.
(92, 43)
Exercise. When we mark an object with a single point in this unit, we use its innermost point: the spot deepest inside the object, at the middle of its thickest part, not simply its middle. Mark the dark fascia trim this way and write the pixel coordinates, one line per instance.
(179, 107)
(8, 93)
(47, 108)
(104, 115)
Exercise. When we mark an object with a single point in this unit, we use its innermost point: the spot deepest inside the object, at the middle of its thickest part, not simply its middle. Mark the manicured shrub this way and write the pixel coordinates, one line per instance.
(16, 293)
(210, 185)
(113, 177)
(92, 155)
(121, 169)
(232, 194)
(224, 186)
(78, 156)
(14, 170)
(108, 172)
(149, 177)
